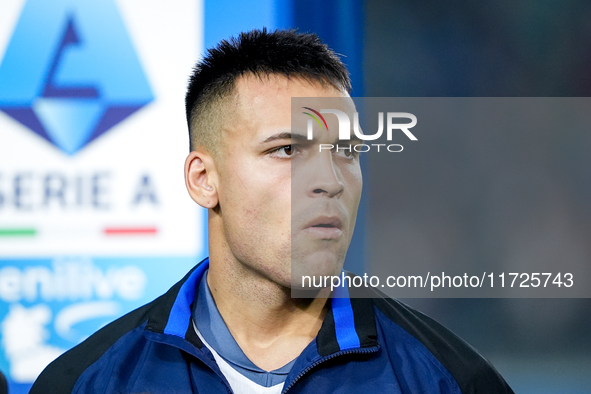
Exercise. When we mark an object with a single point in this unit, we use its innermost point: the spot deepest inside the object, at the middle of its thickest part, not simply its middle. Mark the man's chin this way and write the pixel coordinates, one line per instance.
(310, 275)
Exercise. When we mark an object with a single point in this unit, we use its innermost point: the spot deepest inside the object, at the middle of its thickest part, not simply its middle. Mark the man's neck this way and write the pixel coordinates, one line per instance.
(270, 327)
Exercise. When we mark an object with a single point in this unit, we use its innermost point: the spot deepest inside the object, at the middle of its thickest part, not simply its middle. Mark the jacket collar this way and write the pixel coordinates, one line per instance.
(349, 322)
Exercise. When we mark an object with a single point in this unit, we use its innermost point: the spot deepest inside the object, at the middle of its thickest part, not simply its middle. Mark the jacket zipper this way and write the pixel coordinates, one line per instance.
(316, 363)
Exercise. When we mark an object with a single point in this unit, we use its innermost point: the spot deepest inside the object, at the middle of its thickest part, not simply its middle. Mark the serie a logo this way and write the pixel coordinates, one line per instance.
(68, 77)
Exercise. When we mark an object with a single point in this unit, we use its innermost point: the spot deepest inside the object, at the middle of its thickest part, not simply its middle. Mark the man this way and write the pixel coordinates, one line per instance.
(231, 324)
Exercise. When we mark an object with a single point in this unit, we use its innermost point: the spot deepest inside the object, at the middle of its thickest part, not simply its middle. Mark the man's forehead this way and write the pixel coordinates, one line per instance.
(262, 104)
(256, 95)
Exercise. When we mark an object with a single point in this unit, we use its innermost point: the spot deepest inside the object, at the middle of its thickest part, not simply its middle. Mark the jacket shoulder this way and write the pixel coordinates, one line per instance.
(60, 376)
(472, 372)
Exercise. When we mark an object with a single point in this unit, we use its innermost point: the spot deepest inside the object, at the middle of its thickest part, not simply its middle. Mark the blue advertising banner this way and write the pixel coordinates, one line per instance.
(94, 216)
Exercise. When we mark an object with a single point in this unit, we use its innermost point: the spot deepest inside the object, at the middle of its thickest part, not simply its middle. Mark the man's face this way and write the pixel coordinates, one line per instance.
(281, 200)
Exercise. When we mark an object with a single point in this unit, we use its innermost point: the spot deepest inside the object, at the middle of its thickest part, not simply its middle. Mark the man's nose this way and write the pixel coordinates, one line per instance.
(325, 177)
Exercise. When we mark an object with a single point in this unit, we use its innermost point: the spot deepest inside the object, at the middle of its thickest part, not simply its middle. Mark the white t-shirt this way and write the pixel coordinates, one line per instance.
(239, 383)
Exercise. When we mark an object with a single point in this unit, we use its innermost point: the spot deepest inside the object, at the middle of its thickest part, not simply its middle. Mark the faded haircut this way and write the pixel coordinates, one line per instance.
(259, 53)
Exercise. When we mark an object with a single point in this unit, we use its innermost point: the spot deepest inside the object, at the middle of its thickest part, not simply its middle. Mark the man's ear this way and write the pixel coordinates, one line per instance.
(201, 179)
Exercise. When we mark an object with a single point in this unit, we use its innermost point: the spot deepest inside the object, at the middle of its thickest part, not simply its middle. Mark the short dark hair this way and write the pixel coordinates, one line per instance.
(261, 53)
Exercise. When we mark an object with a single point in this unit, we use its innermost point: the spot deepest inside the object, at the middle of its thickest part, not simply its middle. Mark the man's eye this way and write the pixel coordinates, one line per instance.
(283, 152)
(287, 150)
(347, 151)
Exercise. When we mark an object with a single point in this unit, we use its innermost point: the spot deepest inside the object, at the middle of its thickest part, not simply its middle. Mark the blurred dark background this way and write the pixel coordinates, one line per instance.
(499, 49)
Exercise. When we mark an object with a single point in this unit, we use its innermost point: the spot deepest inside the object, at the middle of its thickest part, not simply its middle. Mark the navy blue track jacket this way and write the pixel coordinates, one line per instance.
(365, 345)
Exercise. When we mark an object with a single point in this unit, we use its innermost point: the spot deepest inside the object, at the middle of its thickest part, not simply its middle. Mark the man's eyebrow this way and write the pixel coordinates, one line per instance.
(286, 136)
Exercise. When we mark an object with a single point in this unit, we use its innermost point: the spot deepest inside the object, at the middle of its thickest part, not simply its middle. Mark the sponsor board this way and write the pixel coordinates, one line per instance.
(94, 216)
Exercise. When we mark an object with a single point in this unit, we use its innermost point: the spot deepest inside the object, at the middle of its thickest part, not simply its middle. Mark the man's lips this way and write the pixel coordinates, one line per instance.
(325, 227)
